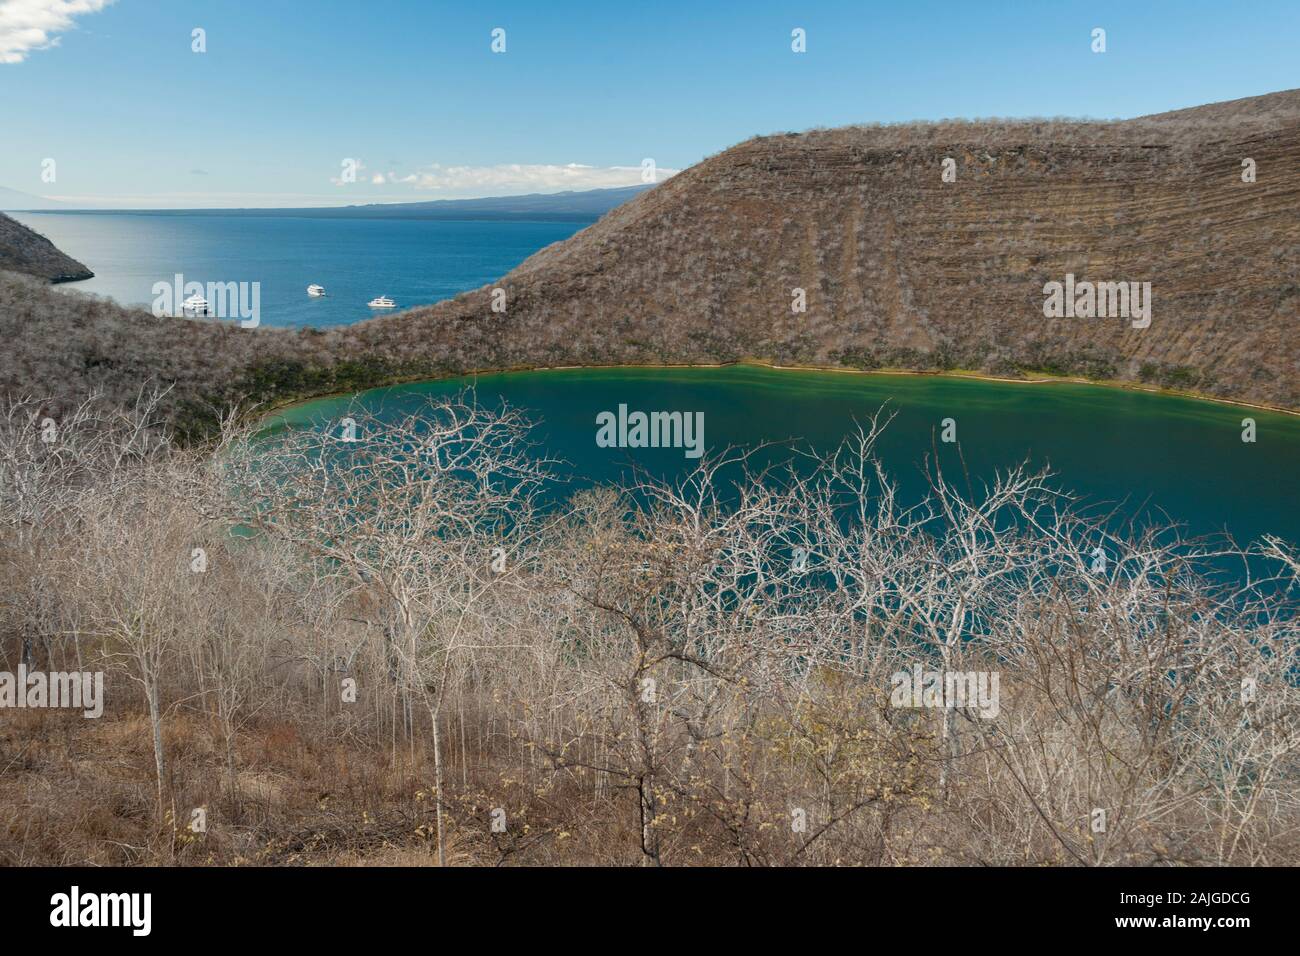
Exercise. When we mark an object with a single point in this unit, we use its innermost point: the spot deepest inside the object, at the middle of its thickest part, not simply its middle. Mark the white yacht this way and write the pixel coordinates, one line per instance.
(382, 302)
(195, 303)
(315, 291)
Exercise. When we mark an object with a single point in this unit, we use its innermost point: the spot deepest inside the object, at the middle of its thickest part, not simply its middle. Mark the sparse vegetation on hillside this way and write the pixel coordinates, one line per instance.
(24, 251)
(395, 657)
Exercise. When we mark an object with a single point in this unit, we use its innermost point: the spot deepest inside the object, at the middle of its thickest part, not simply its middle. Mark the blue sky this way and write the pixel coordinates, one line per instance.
(288, 89)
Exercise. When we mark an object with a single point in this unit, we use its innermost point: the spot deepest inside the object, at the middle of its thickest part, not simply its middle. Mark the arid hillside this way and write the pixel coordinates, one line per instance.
(899, 269)
(905, 270)
(30, 253)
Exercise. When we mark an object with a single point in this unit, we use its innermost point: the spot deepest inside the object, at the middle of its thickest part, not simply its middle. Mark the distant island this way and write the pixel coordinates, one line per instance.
(569, 206)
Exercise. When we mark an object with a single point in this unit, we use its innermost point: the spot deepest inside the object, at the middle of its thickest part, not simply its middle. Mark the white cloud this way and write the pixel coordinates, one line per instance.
(512, 178)
(504, 179)
(27, 25)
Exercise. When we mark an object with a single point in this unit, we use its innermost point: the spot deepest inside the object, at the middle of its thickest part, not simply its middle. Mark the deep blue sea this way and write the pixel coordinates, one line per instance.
(413, 262)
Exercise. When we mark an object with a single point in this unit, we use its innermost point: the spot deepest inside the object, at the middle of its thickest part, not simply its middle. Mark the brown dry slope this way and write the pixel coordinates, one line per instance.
(900, 269)
(28, 252)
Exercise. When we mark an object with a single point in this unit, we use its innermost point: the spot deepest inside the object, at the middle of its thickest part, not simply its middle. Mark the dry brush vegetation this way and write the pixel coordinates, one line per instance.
(650, 674)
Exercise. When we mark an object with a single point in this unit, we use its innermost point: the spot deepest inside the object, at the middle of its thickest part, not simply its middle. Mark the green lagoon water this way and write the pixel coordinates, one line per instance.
(1159, 457)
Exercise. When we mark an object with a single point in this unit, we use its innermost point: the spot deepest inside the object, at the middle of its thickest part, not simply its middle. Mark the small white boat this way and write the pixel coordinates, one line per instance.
(382, 302)
(195, 303)
(315, 291)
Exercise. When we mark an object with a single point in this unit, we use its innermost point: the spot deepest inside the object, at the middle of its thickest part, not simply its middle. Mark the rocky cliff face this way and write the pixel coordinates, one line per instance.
(30, 253)
(898, 268)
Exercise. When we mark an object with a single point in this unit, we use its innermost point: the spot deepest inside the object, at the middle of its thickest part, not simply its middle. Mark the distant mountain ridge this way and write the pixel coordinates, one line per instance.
(578, 204)
(13, 200)
(570, 206)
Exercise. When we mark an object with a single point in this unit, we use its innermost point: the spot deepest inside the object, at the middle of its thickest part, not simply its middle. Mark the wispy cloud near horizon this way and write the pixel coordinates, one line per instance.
(29, 25)
(507, 179)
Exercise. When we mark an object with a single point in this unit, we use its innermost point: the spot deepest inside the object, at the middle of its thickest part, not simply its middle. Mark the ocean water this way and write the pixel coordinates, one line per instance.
(413, 262)
(1157, 459)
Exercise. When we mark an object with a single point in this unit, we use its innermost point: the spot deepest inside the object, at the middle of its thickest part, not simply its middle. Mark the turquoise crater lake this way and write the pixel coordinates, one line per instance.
(1161, 458)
